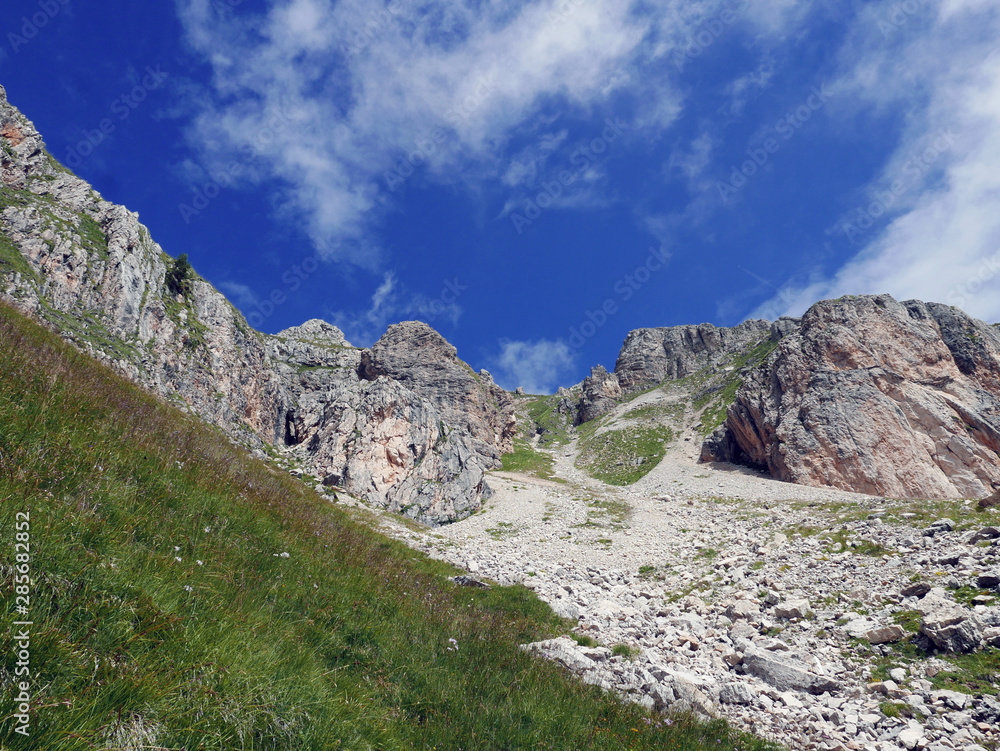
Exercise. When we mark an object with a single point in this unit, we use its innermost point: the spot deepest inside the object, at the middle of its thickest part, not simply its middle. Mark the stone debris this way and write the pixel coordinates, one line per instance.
(777, 632)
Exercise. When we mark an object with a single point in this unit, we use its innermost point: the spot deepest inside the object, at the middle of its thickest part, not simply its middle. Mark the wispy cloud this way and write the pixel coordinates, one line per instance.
(392, 302)
(939, 237)
(363, 85)
(367, 93)
(242, 294)
(537, 366)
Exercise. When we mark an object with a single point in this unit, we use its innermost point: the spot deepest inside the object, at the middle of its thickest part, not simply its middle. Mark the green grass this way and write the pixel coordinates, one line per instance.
(975, 673)
(527, 460)
(622, 457)
(344, 643)
(718, 397)
(909, 619)
(673, 411)
(966, 594)
(624, 650)
(93, 237)
(543, 419)
(11, 259)
(842, 541)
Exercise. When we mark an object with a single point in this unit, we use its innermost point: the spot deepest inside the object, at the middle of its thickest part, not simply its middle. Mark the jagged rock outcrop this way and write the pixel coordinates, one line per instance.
(650, 356)
(405, 426)
(600, 393)
(876, 396)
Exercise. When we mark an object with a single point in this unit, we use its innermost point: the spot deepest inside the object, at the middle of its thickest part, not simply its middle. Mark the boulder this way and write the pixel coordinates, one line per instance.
(917, 589)
(600, 392)
(789, 609)
(652, 355)
(786, 673)
(563, 650)
(736, 693)
(743, 610)
(952, 628)
(988, 579)
(885, 634)
(986, 533)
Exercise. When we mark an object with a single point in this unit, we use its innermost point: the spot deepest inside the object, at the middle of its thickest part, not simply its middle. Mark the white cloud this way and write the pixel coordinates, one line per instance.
(242, 294)
(331, 97)
(940, 238)
(538, 366)
(393, 302)
(692, 160)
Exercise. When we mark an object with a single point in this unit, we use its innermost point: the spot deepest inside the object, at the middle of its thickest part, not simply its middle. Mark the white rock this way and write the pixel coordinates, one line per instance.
(798, 608)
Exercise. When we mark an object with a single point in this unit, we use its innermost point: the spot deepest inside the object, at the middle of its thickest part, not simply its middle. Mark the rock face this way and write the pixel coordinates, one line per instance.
(650, 356)
(406, 425)
(875, 396)
(600, 394)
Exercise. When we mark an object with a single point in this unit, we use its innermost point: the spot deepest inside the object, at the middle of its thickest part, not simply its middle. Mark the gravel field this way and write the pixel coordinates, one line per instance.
(785, 609)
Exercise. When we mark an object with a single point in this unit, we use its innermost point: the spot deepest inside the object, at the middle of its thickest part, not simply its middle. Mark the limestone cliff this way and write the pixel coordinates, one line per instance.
(406, 426)
(651, 356)
(874, 396)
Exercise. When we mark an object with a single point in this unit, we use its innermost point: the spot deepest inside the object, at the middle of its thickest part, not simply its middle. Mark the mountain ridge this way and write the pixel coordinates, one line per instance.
(94, 273)
(408, 426)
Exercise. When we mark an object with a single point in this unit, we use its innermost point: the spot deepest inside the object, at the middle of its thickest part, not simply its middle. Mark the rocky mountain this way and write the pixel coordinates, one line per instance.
(651, 356)
(862, 393)
(876, 396)
(406, 425)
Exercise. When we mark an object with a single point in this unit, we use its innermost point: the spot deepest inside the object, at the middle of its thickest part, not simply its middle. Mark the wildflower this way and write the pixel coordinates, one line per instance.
(454, 646)
(177, 549)
(285, 555)
(177, 558)
(188, 588)
(207, 530)
(200, 563)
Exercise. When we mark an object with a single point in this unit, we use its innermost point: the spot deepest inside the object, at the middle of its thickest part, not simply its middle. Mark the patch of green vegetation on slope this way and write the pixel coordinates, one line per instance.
(11, 259)
(185, 595)
(674, 411)
(622, 456)
(544, 419)
(716, 399)
(526, 460)
(93, 237)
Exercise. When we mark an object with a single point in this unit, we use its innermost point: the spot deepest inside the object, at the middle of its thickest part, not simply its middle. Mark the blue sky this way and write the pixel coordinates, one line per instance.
(535, 178)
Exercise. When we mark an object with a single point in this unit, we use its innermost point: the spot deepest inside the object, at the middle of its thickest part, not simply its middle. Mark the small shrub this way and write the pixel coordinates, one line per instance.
(178, 276)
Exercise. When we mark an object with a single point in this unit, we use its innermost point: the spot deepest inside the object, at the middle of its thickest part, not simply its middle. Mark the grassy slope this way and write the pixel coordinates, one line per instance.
(341, 644)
